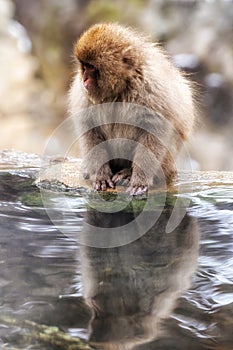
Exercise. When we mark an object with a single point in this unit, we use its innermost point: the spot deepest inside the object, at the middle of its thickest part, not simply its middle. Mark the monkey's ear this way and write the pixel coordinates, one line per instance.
(128, 57)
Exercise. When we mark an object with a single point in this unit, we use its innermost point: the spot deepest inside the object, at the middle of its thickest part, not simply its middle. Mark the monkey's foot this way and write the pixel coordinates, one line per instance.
(102, 185)
(137, 190)
(122, 177)
(139, 183)
(103, 179)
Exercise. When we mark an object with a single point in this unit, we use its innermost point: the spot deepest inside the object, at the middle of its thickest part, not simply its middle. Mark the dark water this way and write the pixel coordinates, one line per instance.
(163, 291)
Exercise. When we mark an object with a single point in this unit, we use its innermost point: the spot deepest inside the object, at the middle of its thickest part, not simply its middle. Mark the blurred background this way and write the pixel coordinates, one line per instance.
(36, 64)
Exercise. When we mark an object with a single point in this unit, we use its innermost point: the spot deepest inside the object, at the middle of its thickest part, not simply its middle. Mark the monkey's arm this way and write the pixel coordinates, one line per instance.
(95, 155)
(152, 163)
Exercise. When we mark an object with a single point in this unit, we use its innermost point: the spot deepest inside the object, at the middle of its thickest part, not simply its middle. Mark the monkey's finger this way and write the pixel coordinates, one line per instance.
(123, 182)
(126, 182)
(137, 190)
(121, 175)
(110, 183)
(141, 190)
(117, 178)
(103, 186)
(96, 185)
(99, 186)
(130, 190)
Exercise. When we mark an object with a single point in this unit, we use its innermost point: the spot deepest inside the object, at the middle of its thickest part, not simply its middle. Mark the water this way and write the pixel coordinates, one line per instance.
(163, 291)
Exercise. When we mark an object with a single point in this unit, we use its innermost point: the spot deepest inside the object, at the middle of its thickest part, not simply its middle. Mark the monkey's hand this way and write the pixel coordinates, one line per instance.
(122, 177)
(103, 179)
(138, 183)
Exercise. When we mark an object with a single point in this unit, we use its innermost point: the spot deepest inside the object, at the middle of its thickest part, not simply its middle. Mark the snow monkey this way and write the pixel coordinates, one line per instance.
(117, 64)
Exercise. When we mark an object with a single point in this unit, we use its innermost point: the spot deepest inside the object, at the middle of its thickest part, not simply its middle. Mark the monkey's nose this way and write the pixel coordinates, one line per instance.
(86, 84)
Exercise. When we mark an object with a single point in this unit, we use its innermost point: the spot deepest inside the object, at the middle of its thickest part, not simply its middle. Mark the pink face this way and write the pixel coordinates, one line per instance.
(89, 76)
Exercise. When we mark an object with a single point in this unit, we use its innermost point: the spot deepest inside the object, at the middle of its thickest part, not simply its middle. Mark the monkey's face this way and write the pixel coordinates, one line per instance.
(108, 63)
(90, 77)
(101, 84)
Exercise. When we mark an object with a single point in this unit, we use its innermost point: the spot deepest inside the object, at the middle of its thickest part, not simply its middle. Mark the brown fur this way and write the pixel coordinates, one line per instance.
(132, 69)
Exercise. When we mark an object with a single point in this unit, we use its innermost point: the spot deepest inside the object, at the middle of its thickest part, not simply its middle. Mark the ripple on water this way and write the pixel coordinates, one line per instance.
(41, 269)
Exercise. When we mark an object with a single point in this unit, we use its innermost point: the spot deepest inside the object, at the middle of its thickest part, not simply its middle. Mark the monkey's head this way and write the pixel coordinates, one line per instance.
(109, 62)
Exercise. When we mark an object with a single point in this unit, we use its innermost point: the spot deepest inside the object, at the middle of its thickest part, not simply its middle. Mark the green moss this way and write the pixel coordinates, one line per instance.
(50, 336)
(111, 201)
(31, 199)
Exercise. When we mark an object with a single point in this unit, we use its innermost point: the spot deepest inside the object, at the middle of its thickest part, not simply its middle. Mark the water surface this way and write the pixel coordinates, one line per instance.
(162, 291)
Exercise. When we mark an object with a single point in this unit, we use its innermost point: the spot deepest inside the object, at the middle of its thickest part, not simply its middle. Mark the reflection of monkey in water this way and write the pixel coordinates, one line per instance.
(133, 288)
(115, 64)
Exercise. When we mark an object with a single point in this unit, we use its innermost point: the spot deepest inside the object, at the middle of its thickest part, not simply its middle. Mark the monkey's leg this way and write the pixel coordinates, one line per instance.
(158, 162)
(138, 184)
(169, 168)
(146, 164)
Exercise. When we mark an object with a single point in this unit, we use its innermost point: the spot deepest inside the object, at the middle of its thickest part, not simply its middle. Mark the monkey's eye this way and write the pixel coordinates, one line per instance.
(87, 66)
